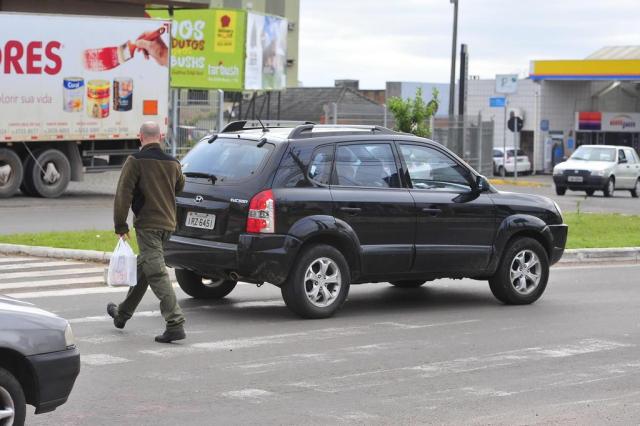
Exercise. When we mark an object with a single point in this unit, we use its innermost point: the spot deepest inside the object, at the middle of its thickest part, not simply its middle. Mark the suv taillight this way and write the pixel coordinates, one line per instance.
(262, 215)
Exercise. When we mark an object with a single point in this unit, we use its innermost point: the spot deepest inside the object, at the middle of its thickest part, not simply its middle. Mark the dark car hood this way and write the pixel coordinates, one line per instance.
(535, 205)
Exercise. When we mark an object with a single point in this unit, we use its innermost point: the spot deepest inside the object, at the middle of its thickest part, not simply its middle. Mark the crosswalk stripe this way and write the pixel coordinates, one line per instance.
(99, 279)
(14, 259)
(58, 272)
(38, 265)
(69, 292)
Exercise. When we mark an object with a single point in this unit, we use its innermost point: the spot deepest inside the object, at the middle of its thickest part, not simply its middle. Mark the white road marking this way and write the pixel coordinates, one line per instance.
(597, 266)
(100, 318)
(46, 264)
(98, 279)
(69, 292)
(252, 394)
(102, 359)
(57, 272)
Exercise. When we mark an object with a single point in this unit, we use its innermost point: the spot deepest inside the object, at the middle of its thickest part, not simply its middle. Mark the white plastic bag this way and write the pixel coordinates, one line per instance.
(122, 266)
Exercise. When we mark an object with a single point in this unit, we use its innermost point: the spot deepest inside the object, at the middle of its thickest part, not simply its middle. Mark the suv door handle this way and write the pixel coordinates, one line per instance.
(431, 211)
(351, 210)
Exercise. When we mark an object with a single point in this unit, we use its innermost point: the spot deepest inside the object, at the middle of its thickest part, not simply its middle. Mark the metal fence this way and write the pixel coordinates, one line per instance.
(193, 114)
(366, 114)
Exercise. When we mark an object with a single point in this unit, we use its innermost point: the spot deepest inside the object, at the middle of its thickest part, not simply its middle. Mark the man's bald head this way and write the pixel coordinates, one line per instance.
(149, 132)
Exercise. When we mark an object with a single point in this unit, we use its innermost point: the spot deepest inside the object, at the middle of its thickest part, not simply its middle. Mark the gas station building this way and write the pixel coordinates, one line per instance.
(568, 103)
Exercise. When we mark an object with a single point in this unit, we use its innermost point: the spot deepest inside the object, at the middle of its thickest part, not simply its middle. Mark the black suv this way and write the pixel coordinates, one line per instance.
(315, 208)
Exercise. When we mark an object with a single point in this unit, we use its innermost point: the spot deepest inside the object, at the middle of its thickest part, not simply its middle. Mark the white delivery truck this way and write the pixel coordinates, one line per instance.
(74, 91)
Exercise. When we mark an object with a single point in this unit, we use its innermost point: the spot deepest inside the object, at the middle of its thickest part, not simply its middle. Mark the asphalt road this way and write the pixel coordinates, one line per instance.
(445, 353)
(89, 204)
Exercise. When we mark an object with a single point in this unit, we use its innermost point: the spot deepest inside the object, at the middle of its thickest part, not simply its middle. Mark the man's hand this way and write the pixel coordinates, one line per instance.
(125, 237)
(155, 49)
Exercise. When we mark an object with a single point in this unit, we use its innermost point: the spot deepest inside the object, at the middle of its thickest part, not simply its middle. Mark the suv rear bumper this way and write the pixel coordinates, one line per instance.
(257, 258)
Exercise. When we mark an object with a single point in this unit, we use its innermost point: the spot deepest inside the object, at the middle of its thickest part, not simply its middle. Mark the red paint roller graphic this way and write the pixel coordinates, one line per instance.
(107, 58)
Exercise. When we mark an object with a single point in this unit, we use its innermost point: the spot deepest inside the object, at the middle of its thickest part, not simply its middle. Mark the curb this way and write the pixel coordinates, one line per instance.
(591, 255)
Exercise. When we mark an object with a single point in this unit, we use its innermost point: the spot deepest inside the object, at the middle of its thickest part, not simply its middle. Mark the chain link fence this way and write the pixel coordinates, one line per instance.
(193, 115)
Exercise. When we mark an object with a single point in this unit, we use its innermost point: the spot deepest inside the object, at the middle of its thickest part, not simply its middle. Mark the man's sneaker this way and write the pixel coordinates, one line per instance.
(170, 335)
(112, 310)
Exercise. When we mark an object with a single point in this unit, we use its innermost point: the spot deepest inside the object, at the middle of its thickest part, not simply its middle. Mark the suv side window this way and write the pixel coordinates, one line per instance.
(428, 168)
(367, 165)
(631, 158)
(320, 165)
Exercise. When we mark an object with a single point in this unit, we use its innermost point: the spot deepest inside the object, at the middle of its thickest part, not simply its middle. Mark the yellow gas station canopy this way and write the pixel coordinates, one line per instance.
(610, 63)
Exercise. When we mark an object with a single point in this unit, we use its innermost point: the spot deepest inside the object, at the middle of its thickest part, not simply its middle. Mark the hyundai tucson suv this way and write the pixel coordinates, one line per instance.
(314, 209)
(605, 168)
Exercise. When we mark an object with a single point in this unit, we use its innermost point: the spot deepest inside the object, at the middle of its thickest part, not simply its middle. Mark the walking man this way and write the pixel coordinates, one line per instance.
(148, 185)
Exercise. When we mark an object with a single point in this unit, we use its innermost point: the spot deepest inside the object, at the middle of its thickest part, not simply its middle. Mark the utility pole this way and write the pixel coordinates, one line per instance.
(452, 81)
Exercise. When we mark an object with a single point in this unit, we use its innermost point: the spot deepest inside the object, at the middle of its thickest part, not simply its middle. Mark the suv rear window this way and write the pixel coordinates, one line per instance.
(226, 159)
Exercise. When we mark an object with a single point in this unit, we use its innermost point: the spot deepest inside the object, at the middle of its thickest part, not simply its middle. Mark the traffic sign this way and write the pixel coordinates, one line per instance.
(497, 102)
(506, 83)
(515, 124)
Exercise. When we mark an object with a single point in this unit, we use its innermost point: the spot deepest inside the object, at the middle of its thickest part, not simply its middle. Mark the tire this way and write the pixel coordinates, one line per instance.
(610, 187)
(408, 283)
(52, 161)
(317, 263)
(561, 190)
(635, 192)
(590, 192)
(502, 172)
(520, 252)
(202, 288)
(11, 168)
(12, 398)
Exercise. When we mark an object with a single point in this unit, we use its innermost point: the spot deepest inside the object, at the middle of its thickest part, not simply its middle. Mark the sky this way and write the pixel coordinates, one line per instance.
(410, 40)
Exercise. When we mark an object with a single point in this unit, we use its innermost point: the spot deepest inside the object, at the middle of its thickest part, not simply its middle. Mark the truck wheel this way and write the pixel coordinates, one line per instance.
(635, 192)
(11, 173)
(590, 192)
(13, 407)
(318, 283)
(408, 283)
(502, 172)
(49, 177)
(610, 187)
(561, 190)
(522, 275)
(199, 287)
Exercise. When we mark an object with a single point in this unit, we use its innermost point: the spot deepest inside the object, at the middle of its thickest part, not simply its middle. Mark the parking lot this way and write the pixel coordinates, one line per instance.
(444, 353)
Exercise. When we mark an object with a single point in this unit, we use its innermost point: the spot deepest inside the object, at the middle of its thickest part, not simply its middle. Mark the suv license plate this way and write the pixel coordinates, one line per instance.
(575, 179)
(200, 220)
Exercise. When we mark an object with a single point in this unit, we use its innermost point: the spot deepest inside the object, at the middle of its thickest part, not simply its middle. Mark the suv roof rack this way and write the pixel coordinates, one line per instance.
(236, 126)
(305, 130)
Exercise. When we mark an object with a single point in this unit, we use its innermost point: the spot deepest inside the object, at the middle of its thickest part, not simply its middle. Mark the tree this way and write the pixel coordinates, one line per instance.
(414, 115)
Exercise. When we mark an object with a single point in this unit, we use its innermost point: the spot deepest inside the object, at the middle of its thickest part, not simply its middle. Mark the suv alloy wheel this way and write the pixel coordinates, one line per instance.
(522, 274)
(12, 402)
(319, 282)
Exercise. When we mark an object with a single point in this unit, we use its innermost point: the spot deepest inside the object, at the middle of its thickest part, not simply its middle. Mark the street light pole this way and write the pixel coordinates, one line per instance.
(452, 81)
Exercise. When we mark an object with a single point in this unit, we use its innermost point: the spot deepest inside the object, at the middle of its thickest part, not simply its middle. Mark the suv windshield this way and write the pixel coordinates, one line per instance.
(226, 159)
(590, 153)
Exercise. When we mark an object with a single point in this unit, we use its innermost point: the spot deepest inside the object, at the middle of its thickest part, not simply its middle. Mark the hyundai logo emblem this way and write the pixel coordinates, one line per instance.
(199, 198)
(575, 171)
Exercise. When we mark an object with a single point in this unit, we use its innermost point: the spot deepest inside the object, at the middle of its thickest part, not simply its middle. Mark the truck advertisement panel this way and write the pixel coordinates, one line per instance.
(266, 52)
(207, 48)
(81, 78)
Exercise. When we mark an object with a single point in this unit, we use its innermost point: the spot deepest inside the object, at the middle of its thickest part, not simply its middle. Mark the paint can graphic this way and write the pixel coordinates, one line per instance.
(72, 94)
(98, 98)
(122, 94)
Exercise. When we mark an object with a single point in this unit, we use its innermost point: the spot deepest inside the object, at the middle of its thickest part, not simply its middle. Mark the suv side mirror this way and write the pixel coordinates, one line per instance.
(482, 184)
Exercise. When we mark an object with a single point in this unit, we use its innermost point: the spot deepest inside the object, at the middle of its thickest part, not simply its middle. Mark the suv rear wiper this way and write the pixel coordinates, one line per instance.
(211, 177)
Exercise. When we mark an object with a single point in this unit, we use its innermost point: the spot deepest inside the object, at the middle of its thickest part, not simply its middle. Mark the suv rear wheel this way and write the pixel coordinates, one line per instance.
(318, 284)
(522, 275)
(12, 402)
(408, 283)
(200, 287)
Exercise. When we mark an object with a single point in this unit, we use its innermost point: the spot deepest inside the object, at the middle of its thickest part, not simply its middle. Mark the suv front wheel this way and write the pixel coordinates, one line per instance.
(199, 287)
(522, 275)
(318, 284)
(12, 402)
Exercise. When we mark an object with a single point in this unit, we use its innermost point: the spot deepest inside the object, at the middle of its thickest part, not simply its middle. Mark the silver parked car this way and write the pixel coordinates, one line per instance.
(39, 361)
(605, 168)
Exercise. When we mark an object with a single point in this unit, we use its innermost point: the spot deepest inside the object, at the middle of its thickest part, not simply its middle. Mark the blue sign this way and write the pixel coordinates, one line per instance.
(497, 102)
(570, 143)
(544, 125)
